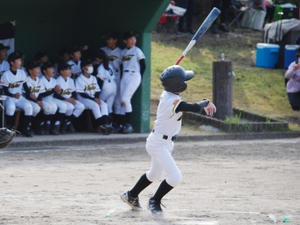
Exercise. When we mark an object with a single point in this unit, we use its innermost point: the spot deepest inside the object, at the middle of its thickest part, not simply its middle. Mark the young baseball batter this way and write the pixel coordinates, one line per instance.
(12, 81)
(68, 96)
(88, 93)
(109, 87)
(133, 66)
(160, 141)
(54, 119)
(113, 53)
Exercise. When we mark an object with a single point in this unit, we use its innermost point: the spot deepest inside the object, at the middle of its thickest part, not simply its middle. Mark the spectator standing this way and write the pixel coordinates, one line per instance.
(293, 83)
(223, 5)
(188, 17)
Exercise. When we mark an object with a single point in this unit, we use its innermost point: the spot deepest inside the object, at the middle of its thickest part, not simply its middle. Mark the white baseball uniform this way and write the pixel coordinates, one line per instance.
(68, 87)
(90, 87)
(109, 87)
(114, 57)
(36, 87)
(75, 67)
(159, 143)
(4, 66)
(14, 82)
(54, 102)
(131, 77)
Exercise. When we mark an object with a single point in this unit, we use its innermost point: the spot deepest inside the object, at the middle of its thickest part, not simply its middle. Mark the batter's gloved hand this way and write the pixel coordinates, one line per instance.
(6, 136)
(208, 107)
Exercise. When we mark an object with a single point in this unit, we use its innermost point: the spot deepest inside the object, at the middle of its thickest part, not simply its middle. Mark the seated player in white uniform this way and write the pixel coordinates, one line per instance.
(68, 95)
(12, 81)
(54, 119)
(4, 65)
(133, 67)
(88, 93)
(74, 62)
(113, 53)
(109, 86)
(160, 141)
(32, 91)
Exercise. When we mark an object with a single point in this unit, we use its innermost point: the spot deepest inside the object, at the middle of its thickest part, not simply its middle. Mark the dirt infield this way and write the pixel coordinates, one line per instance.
(224, 182)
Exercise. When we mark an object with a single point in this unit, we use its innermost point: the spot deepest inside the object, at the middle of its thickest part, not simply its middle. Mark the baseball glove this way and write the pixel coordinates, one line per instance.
(6, 136)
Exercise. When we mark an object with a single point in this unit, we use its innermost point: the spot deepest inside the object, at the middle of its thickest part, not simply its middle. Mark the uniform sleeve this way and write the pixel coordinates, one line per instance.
(188, 107)
(175, 104)
(5, 80)
(79, 85)
(140, 54)
(27, 92)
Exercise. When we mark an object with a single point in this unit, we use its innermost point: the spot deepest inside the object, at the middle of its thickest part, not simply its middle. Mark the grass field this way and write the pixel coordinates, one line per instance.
(257, 90)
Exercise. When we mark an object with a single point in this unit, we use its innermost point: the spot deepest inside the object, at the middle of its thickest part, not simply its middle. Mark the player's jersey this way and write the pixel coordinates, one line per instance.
(114, 57)
(168, 122)
(35, 86)
(76, 68)
(14, 82)
(105, 75)
(131, 58)
(4, 66)
(87, 85)
(48, 85)
(67, 86)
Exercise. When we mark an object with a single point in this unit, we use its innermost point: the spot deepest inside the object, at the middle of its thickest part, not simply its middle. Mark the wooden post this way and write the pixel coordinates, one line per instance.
(222, 88)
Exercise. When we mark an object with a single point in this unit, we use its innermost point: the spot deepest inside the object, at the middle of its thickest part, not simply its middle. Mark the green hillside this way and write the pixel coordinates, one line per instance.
(256, 90)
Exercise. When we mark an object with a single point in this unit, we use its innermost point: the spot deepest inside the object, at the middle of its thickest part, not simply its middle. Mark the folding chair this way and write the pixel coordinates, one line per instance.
(169, 20)
(238, 12)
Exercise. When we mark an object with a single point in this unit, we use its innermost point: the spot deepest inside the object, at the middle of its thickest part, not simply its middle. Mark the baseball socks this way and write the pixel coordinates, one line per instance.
(142, 183)
(9, 122)
(26, 126)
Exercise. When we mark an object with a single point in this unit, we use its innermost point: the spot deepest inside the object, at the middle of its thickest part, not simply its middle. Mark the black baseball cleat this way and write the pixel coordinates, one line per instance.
(71, 128)
(47, 129)
(127, 129)
(132, 202)
(41, 130)
(26, 132)
(55, 130)
(63, 129)
(154, 206)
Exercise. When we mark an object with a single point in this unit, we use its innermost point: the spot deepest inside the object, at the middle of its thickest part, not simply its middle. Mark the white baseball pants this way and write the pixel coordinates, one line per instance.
(98, 110)
(23, 103)
(117, 102)
(108, 93)
(162, 160)
(61, 105)
(76, 109)
(129, 84)
(52, 106)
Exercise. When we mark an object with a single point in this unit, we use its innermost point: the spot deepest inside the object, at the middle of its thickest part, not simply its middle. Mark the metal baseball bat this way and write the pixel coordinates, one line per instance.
(212, 16)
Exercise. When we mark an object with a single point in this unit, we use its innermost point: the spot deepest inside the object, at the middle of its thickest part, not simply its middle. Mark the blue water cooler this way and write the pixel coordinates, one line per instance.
(267, 55)
(290, 52)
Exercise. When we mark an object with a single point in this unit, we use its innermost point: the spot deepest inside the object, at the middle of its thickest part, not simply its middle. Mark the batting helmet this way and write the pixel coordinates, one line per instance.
(173, 78)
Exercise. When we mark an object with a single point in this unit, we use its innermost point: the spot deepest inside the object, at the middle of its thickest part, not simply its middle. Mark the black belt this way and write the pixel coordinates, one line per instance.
(126, 71)
(166, 137)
